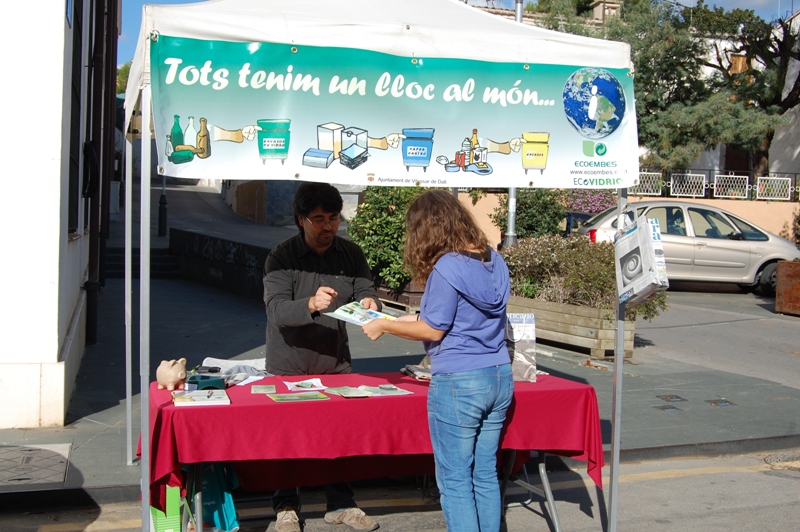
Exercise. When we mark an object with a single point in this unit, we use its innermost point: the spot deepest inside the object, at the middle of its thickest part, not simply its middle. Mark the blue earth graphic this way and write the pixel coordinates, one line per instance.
(594, 102)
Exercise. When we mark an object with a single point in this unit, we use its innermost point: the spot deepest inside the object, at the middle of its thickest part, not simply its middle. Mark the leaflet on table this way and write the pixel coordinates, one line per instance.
(263, 388)
(357, 314)
(297, 397)
(200, 397)
(368, 391)
(308, 385)
(241, 379)
(384, 389)
(348, 391)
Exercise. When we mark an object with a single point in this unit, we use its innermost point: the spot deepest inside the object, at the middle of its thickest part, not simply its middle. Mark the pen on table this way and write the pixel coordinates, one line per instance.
(210, 393)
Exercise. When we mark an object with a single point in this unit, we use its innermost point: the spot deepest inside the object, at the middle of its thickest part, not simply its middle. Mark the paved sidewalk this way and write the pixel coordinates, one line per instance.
(671, 406)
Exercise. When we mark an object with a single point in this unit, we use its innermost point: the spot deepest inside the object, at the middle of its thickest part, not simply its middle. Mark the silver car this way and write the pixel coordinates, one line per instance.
(704, 243)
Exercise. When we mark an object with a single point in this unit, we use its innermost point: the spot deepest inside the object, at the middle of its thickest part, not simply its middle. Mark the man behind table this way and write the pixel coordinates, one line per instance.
(310, 273)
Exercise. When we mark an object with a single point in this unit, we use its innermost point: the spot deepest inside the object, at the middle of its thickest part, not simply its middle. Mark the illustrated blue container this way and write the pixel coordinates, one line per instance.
(417, 147)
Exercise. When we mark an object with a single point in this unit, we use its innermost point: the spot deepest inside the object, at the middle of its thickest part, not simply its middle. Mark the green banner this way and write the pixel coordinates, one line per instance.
(230, 110)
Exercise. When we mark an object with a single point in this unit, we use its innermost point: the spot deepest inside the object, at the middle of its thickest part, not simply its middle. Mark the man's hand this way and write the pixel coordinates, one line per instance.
(322, 299)
(369, 303)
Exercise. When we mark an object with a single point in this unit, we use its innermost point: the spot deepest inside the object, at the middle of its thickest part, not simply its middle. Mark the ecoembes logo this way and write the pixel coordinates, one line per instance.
(590, 149)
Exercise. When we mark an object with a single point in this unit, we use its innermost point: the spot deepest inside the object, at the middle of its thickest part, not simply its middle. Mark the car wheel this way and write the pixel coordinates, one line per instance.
(747, 288)
(768, 279)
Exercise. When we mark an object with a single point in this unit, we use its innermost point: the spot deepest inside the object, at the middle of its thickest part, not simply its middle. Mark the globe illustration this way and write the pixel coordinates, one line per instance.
(594, 102)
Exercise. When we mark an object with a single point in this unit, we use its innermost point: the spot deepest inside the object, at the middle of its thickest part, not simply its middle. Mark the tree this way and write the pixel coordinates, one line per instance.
(577, 7)
(681, 109)
(563, 16)
(667, 70)
(752, 60)
(539, 212)
(122, 77)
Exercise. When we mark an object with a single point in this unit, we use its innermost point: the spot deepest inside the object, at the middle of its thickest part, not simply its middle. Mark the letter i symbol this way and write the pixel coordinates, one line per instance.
(593, 104)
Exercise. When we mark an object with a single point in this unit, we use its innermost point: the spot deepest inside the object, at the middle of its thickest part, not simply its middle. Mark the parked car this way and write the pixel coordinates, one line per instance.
(573, 221)
(704, 243)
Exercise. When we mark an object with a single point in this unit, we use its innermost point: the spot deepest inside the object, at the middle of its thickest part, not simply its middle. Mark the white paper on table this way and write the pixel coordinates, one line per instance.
(248, 380)
(308, 385)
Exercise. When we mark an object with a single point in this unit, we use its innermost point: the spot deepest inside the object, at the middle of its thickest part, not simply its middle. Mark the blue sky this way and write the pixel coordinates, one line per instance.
(132, 15)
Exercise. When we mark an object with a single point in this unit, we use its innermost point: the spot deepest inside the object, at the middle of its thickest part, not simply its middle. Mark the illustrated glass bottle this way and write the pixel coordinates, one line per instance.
(190, 134)
(169, 149)
(474, 144)
(203, 143)
(177, 132)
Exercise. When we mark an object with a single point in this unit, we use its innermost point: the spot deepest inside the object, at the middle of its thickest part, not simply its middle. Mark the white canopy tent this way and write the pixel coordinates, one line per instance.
(420, 30)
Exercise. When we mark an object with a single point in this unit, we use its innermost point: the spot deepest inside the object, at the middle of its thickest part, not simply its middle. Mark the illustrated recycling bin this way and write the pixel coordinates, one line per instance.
(417, 147)
(273, 139)
(535, 147)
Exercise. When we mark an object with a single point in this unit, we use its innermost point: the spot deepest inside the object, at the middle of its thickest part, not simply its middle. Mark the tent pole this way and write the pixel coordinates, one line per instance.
(128, 294)
(144, 307)
(511, 232)
(616, 407)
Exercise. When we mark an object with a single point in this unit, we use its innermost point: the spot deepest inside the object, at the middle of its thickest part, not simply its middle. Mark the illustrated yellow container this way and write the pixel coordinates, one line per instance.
(535, 147)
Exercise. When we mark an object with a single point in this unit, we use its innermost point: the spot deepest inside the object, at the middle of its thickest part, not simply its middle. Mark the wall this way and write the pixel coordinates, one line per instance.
(223, 264)
(481, 211)
(41, 335)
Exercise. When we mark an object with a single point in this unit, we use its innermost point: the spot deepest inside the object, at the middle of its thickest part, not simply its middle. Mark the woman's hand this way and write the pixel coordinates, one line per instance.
(373, 329)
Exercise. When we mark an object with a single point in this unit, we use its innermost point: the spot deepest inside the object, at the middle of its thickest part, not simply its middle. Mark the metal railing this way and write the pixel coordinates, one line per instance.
(716, 184)
(711, 184)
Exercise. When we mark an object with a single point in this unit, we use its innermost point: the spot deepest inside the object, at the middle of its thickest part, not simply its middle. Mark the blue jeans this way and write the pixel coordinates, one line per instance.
(466, 412)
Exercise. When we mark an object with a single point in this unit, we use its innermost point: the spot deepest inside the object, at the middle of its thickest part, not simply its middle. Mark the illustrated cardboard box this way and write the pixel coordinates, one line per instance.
(329, 138)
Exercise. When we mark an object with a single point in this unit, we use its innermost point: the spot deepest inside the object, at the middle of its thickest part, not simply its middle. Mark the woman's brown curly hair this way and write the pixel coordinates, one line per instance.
(437, 223)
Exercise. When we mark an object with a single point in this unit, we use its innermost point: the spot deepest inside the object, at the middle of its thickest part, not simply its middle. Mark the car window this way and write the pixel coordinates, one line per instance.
(710, 224)
(670, 220)
(749, 232)
(598, 218)
(628, 215)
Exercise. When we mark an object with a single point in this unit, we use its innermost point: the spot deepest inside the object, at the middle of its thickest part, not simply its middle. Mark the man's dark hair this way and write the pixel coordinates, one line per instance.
(309, 196)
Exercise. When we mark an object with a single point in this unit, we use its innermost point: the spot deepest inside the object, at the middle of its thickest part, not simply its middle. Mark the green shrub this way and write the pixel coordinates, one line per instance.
(539, 212)
(379, 228)
(574, 271)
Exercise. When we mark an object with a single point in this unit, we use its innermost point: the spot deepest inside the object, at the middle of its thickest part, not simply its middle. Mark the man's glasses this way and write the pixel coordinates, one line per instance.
(320, 221)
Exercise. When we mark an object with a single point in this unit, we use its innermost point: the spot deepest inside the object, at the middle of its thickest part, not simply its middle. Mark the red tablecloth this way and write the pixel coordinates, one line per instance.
(368, 438)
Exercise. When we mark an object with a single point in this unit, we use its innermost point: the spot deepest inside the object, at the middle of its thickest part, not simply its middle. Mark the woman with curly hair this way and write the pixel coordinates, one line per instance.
(461, 324)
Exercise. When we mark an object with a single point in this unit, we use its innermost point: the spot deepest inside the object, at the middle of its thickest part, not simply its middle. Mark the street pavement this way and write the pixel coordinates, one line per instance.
(712, 379)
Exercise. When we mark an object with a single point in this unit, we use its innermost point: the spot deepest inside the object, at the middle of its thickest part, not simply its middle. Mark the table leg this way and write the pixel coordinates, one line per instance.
(548, 492)
(197, 474)
(544, 492)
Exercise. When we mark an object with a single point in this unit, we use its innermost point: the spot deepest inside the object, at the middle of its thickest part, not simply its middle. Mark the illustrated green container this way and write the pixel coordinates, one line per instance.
(273, 139)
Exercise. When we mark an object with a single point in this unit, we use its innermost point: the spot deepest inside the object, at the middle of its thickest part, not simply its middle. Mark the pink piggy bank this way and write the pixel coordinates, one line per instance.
(171, 374)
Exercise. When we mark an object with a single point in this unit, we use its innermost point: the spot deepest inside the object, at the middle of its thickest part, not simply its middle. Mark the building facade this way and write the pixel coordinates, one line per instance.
(54, 144)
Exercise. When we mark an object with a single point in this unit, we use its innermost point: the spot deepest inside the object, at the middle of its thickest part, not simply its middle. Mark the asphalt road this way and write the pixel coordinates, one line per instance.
(756, 491)
(720, 327)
